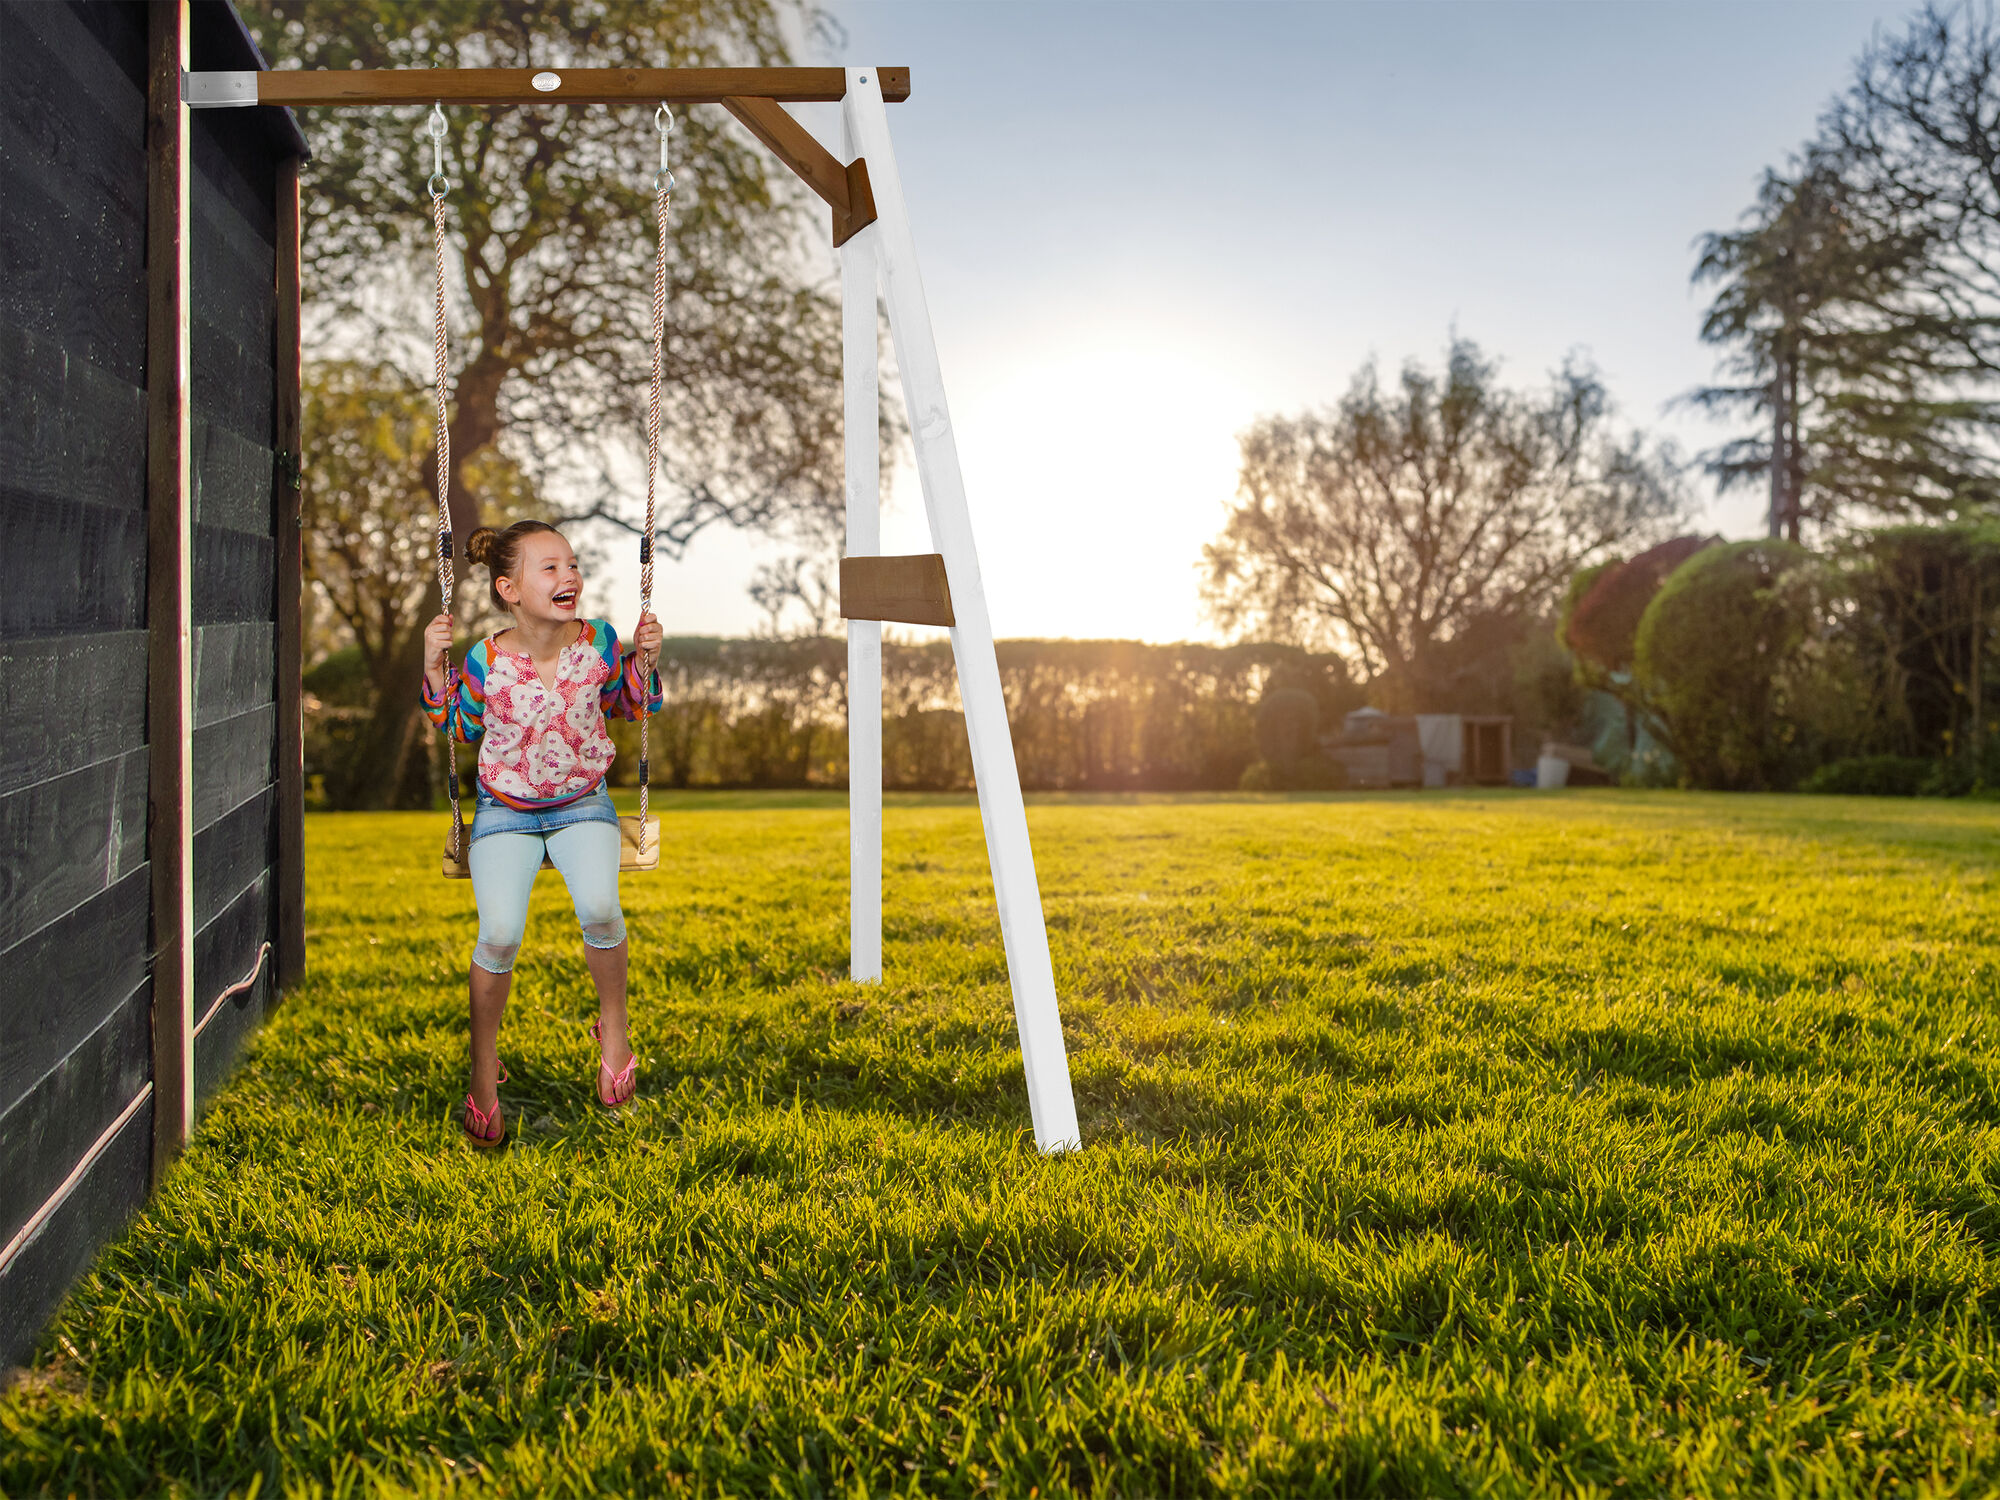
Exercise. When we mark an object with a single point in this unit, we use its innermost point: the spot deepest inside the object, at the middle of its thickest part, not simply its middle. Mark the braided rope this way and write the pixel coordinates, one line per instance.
(662, 197)
(446, 583)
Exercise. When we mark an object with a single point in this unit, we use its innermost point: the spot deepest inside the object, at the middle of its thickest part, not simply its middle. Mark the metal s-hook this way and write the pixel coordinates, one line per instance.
(663, 121)
(439, 184)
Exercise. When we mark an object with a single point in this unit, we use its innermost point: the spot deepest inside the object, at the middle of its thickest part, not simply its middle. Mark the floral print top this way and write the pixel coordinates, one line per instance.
(540, 747)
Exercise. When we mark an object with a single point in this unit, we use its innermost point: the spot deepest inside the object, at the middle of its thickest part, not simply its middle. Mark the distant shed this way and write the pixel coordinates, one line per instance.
(150, 778)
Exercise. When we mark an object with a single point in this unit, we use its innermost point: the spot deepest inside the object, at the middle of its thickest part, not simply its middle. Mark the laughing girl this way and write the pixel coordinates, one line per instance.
(533, 698)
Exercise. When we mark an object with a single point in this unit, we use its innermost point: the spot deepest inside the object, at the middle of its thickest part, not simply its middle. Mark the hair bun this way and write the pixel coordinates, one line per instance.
(479, 546)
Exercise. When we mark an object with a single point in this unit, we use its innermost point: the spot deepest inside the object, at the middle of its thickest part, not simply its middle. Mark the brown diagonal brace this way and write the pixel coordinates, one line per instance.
(844, 187)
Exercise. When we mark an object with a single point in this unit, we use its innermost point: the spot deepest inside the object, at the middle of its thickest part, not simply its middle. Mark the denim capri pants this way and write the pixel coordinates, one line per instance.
(581, 840)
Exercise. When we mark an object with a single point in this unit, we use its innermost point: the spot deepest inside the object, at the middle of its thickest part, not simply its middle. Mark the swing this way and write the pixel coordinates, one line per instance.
(878, 258)
(638, 837)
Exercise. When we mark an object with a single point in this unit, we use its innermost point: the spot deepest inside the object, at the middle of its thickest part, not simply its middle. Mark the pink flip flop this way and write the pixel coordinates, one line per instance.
(484, 1128)
(622, 1079)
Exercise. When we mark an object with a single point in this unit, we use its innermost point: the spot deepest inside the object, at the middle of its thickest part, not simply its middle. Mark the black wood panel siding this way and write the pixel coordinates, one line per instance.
(63, 981)
(226, 949)
(78, 135)
(67, 702)
(100, 33)
(64, 841)
(232, 480)
(232, 576)
(232, 383)
(47, 1132)
(221, 1041)
(225, 953)
(235, 670)
(70, 429)
(233, 762)
(96, 1209)
(235, 227)
(229, 854)
(75, 1045)
(72, 241)
(74, 891)
(88, 563)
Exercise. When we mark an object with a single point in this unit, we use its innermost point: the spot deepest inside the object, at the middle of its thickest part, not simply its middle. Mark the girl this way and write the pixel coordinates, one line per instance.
(533, 698)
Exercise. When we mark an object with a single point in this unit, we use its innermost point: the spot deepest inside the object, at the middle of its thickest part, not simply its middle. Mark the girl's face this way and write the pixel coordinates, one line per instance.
(546, 585)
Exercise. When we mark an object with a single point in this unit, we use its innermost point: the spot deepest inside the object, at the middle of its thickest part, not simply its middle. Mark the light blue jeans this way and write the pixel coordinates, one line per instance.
(506, 858)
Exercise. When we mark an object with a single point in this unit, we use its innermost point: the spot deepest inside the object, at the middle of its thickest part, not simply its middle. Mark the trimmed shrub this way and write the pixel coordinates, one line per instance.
(1739, 658)
(1287, 726)
(1871, 776)
(1309, 773)
(1605, 605)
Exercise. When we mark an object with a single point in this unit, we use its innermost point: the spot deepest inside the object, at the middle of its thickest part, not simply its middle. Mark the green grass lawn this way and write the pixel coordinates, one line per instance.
(1613, 1143)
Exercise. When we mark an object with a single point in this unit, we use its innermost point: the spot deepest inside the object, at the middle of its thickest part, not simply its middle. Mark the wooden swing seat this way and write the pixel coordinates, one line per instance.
(629, 855)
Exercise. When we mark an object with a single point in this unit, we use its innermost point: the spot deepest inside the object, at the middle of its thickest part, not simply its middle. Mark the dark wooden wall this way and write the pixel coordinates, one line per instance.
(233, 265)
(75, 1039)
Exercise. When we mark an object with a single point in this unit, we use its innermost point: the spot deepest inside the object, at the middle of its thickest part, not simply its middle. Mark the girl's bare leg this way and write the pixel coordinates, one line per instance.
(587, 856)
(489, 1001)
(607, 969)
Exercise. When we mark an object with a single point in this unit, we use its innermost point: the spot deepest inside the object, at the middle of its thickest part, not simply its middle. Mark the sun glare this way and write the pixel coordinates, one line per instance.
(1094, 477)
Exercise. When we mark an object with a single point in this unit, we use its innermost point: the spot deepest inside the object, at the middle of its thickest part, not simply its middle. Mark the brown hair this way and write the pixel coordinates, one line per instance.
(501, 551)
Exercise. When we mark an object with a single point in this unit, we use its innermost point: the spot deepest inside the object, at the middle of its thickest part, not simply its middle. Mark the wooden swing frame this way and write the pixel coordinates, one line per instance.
(877, 254)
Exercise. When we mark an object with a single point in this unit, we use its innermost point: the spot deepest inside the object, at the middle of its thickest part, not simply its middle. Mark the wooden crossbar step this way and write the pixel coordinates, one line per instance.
(909, 590)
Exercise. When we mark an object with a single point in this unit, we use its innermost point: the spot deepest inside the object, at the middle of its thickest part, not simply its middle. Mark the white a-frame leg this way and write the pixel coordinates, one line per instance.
(861, 395)
(888, 243)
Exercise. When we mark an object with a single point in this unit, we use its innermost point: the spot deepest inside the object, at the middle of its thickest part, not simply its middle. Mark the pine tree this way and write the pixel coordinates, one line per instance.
(1819, 306)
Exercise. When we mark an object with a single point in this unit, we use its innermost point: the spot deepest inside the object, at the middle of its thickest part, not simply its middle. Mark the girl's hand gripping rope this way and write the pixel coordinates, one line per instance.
(646, 642)
(437, 645)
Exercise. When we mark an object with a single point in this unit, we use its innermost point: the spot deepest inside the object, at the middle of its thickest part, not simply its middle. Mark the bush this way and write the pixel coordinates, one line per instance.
(1739, 659)
(1604, 606)
(1957, 777)
(340, 680)
(1259, 777)
(1287, 726)
(1309, 773)
(1871, 776)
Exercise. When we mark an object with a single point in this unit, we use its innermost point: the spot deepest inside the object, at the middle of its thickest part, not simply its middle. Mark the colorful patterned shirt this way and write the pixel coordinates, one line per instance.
(540, 747)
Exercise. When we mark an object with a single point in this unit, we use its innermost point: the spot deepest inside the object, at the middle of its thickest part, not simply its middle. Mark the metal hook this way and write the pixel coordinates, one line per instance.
(439, 183)
(663, 121)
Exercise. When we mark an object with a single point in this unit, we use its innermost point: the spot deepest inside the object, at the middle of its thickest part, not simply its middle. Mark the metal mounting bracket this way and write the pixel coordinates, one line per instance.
(218, 90)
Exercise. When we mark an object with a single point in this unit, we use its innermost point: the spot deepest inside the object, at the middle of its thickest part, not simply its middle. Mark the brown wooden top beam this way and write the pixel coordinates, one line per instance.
(300, 87)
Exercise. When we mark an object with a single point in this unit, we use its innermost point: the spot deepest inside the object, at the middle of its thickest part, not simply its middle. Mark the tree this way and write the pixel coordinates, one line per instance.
(1401, 520)
(1860, 301)
(1928, 598)
(550, 221)
(1820, 309)
(371, 547)
(1915, 136)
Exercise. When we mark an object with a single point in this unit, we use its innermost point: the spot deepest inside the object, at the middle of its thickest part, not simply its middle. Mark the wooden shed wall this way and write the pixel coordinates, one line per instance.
(233, 263)
(75, 932)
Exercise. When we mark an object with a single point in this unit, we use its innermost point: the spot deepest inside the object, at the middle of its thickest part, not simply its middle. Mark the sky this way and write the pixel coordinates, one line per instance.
(1143, 224)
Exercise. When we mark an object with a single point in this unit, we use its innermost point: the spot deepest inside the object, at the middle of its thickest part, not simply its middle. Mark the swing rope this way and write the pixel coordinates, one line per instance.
(663, 189)
(439, 185)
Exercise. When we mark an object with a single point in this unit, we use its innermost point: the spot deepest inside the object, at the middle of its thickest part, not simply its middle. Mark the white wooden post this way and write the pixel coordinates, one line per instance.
(859, 380)
(1043, 1055)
